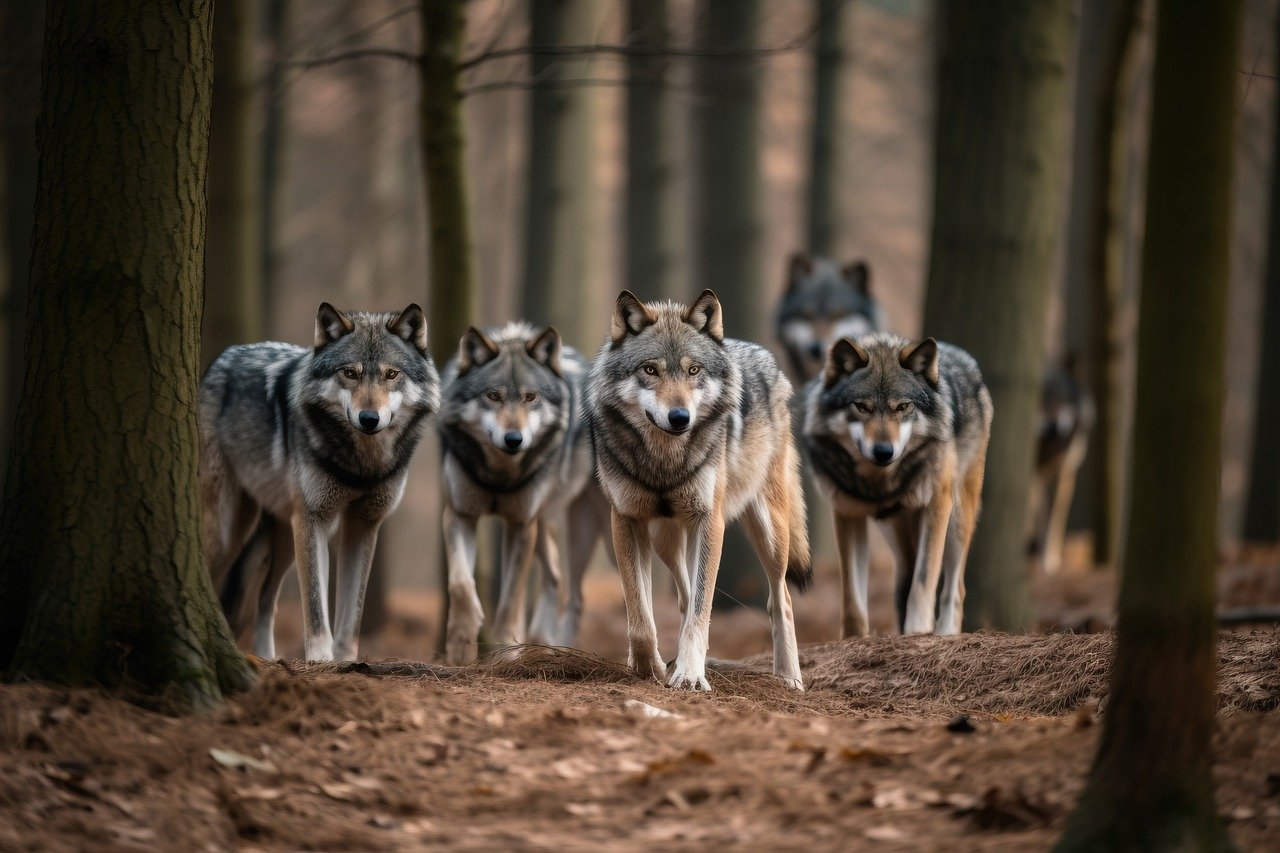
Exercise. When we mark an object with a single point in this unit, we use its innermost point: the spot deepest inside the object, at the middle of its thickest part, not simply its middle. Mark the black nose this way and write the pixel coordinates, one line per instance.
(815, 350)
(369, 419)
(678, 418)
(513, 440)
(881, 453)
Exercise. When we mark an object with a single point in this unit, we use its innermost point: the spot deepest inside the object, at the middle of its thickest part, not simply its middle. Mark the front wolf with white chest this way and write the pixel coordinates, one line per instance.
(297, 443)
(692, 430)
(898, 432)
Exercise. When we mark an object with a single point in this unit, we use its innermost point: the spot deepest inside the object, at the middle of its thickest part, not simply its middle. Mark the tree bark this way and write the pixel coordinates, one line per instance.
(101, 575)
(826, 175)
(233, 261)
(999, 143)
(1151, 786)
(274, 133)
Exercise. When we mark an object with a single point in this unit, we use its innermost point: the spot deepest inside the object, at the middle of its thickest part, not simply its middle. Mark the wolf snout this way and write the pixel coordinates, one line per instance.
(369, 420)
(512, 440)
(678, 418)
(882, 453)
(815, 350)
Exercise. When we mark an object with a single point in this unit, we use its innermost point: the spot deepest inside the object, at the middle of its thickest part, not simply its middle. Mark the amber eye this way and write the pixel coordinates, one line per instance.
(392, 374)
(903, 407)
(862, 407)
(494, 396)
(695, 370)
(530, 396)
(651, 370)
(350, 373)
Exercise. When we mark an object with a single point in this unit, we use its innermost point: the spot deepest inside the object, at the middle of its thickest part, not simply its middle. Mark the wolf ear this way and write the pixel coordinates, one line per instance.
(474, 350)
(922, 359)
(331, 324)
(545, 349)
(799, 266)
(843, 358)
(630, 317)
(411, 325)
(858, 275)
(705, 315)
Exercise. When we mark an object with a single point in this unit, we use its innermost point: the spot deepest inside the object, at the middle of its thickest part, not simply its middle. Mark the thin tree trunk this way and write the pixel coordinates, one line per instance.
(101, 575)
(233, 262)
(1151, 786)
(274, 134)
(21, 32)
(652, 199)
(999, 143)
(1093, 270)
(826, 177)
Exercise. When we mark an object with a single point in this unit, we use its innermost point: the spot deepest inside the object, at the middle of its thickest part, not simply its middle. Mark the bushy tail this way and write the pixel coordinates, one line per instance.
(799, 560)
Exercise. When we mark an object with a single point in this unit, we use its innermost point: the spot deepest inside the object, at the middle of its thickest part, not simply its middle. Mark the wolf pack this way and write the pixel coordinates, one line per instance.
(672, 432)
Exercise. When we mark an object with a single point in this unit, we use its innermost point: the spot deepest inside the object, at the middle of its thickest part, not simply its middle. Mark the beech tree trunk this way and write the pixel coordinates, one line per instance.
(999, 144)
(274, 134)
(101, 575)
(825, 173)
(1151, 786)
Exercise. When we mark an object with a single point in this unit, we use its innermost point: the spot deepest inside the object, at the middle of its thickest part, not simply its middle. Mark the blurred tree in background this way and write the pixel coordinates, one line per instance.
(827, 172)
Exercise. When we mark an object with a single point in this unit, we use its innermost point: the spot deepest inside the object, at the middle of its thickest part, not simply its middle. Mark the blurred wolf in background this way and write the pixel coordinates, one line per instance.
(691, 430)
(515, 445)
(1066, 419)
(898, 432)
(298, 443)
(824, 302)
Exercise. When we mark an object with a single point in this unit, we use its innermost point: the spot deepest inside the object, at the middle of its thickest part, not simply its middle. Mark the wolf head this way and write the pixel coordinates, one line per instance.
(369, 367)
(507, 387)
(823, 303)
(877, 394)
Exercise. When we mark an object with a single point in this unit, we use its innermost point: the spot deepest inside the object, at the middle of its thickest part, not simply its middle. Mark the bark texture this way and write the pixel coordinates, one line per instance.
(1151, 787)
(826, 175)
(101, 575)
(999, 142)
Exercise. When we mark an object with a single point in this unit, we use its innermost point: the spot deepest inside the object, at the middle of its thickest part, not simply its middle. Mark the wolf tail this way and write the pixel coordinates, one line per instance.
(799, 560)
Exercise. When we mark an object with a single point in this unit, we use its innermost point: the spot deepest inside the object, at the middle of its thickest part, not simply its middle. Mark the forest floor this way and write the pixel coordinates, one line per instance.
(900, 743)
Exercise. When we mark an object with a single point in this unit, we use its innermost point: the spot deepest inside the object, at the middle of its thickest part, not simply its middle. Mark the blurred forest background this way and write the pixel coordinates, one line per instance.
(317, 185)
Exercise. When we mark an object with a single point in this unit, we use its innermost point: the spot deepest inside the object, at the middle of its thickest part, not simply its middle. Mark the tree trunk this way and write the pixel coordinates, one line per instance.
(652, 216)
(233, 262)
(730, 227)
(1093, 267)
(21, 32)
(826, 175)
(1262, 505)
(101, 575)
(274, 130)
(563, 206)
(1151, 787)
(999, 143)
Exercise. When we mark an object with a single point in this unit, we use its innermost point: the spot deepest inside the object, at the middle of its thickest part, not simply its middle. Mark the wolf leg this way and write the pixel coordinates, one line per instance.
(517, 545)
(588, 519)
(544, 628)
(1056, 530)
(281, 559)
(358, 537)
(670, 545)
(922, 600)
(904, 536)
(706, 541)
(246, 577)
(631, 544)
(853, 547)
(312, 548)
(767, 520)
(964, 518)
(465, 613)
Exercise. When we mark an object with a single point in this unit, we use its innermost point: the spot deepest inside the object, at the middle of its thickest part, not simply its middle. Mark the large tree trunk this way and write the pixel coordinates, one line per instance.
(999, 143)
(233, 262)
(1093, 263)
(101, 575)
(1151, 787)
(730, 226)
(1262, 505)
(826, 175)
(21, 32)
(652, 203)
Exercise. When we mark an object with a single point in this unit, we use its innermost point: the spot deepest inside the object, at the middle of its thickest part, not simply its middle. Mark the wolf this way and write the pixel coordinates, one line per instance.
(1066, 421)
(898, 431)
(298, 443)
(824, 302)
(692, 430)
(515, 445)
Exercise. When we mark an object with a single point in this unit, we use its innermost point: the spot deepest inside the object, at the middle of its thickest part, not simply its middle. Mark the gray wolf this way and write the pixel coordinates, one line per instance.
(299, 443)
(1066, 420)
(515, 446)
(897, 432)
(692, 430)
(824, 302)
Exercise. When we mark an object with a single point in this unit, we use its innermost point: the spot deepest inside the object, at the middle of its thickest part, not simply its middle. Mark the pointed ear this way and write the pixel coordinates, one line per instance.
(799, 266)
(921, 359)
(843, 359)
(331, 324)
(630, 317)
(545, 349)
(858, 275)
(411, 326)
(705, 315)
(474, 350)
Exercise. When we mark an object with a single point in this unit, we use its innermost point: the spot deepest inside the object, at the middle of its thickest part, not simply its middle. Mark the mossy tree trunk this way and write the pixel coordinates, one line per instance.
(998, 148)
(101, 575)
(233, 261)
(1151, 786)
(830, 97)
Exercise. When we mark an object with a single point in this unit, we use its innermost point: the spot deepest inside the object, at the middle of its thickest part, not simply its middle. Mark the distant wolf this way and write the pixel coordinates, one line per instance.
(1066, 420)
(515, 445)
(824, 302)
(691, 430)
(897, 431)
(298, 443)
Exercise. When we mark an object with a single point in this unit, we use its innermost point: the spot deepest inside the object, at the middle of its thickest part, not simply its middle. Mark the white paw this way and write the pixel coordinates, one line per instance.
(794, 683)
(688, 677)
(346, 653)
(318, 651)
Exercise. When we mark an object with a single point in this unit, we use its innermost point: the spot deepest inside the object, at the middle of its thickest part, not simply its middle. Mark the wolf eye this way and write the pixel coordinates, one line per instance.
(862, 407)
(392, 374)
(651, 370)
(530, 396)
(695, 370)
(350, 373)
(494, 396)
(902, 407)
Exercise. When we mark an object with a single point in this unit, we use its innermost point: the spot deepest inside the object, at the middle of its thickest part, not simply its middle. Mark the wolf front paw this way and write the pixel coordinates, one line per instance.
(687, 677)
(647, 664)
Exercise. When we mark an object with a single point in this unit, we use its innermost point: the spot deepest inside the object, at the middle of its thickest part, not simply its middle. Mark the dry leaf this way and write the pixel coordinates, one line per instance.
(584, 809)
(884, 832)
(649, 710)
(236, 760)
